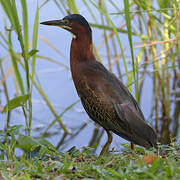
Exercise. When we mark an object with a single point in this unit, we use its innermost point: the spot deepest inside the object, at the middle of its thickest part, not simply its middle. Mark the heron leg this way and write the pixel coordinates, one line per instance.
(133, 146)
(106, 146)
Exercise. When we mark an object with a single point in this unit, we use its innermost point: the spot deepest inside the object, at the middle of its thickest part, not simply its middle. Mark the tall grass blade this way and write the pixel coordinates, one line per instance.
(128, 23)
(59, 116)
(72, 6)
(14, 62)
(35, 38)
(25, 24)
(116, 33)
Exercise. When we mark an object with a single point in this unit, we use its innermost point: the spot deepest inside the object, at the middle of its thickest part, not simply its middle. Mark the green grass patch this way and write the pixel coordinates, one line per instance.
(74, 164)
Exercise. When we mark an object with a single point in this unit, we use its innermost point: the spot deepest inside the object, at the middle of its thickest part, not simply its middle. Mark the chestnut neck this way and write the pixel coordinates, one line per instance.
(81, 51)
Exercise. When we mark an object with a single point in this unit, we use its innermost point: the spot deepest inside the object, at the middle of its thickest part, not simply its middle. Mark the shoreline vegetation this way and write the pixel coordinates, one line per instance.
(124, 164)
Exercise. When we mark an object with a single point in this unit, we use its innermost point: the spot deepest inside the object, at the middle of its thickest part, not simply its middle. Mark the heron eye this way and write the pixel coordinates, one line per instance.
(65, 21)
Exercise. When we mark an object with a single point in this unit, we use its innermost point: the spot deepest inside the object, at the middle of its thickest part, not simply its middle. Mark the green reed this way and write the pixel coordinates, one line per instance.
(22, 32)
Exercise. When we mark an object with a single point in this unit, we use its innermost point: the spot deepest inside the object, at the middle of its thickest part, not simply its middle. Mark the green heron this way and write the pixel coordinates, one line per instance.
(104, 97)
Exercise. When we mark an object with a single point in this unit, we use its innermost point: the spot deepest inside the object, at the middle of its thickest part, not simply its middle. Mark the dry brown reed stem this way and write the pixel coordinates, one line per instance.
(94, 137)
(112, 34)
(109, 37)
(152, 43)
(53, 47)
(6, 94)
(163, 52)
(5, 76)
(106, 39)
(118, 56)
(115, 54)
(155, 77)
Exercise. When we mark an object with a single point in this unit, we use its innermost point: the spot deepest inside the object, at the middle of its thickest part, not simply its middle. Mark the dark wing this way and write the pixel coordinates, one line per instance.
(109, 103)
(106, 83)
(141, 133)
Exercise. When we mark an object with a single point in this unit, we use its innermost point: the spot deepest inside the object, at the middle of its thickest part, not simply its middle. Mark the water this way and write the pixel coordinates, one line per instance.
(57, 84)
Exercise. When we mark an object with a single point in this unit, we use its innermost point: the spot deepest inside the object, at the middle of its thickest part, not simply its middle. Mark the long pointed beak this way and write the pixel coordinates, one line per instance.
(58, 23)
(53, 23)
